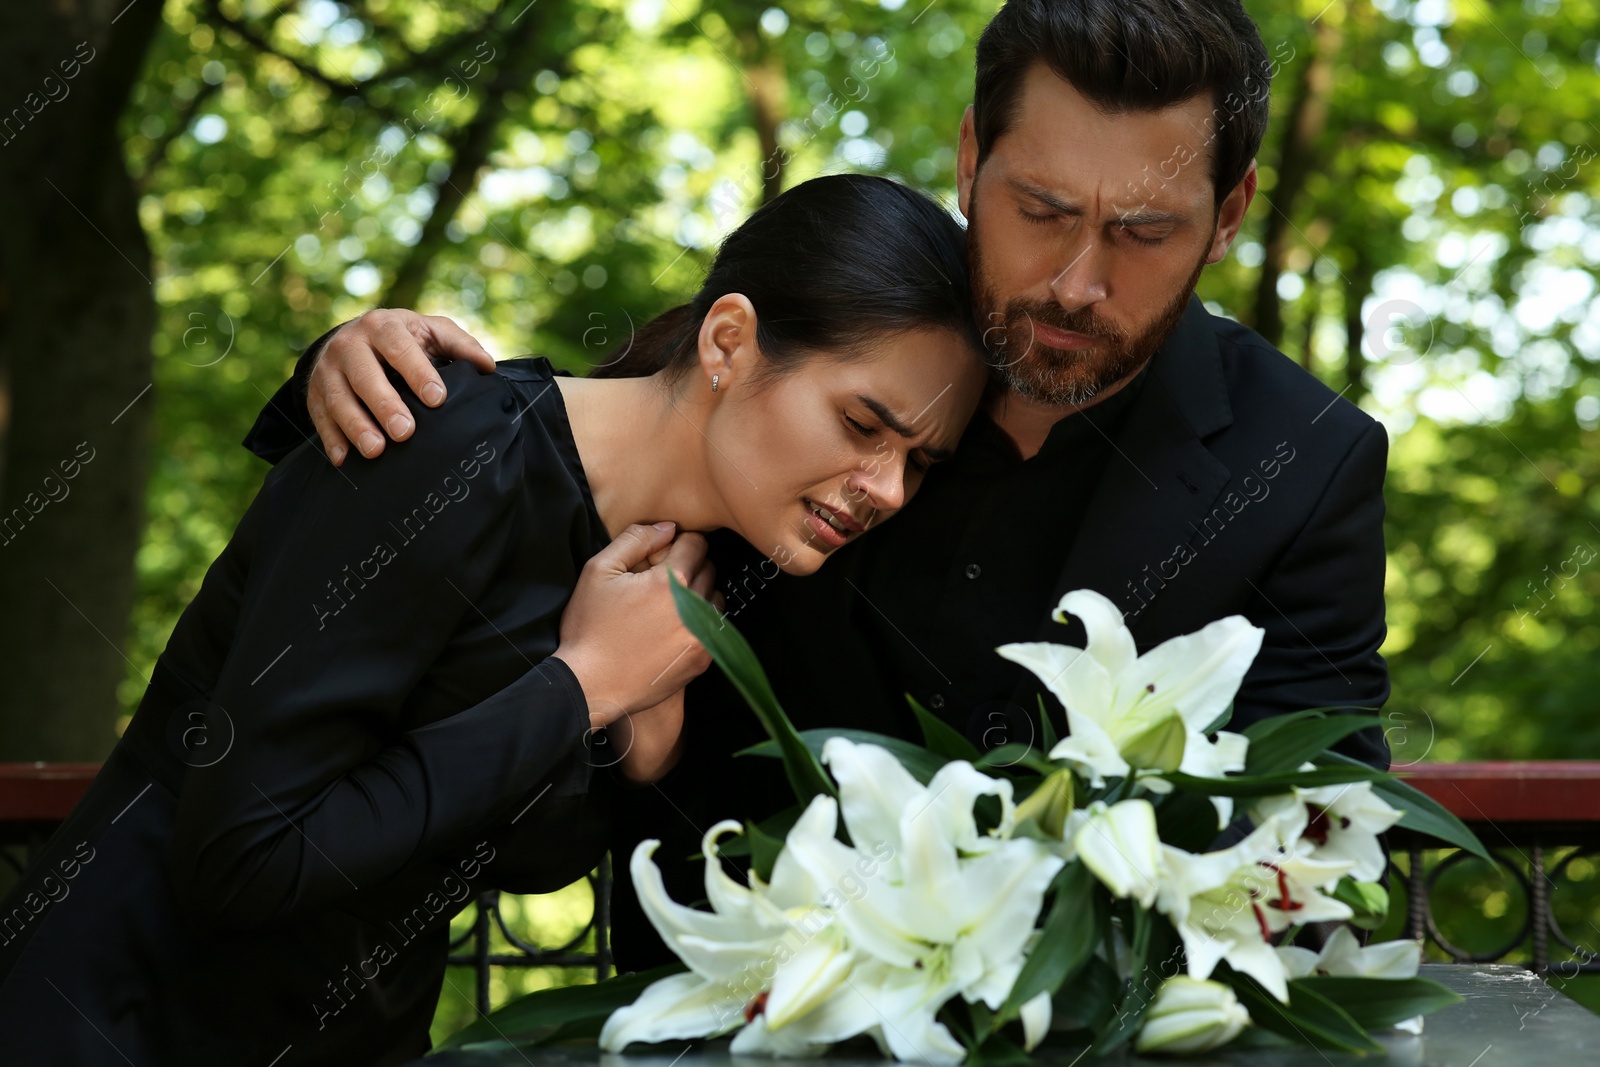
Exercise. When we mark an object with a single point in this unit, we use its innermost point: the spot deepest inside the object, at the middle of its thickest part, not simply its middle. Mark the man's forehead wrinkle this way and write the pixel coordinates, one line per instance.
(1106, 200)
(1161, 175)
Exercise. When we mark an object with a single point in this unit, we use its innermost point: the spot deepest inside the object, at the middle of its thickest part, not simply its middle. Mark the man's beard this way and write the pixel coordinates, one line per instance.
(1060, 377)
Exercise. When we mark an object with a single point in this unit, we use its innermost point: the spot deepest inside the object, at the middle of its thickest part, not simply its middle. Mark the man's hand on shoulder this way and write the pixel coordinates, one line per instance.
(349, 396)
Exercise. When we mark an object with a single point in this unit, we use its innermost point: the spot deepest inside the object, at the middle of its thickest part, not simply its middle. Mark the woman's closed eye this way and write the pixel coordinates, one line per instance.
(918, 462)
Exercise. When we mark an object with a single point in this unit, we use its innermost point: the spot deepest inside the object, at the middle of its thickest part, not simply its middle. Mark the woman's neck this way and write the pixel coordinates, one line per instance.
(643, 451)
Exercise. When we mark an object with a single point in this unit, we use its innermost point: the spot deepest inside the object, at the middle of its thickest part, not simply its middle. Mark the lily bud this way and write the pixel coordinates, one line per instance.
(1048, 806)
(1191, 1015)
(1120, 845)
(1035, 1021)
(1368, 900)
(1158, 747)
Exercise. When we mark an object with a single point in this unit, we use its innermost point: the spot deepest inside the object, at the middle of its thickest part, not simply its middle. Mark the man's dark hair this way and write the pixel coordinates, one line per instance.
(1133, 55)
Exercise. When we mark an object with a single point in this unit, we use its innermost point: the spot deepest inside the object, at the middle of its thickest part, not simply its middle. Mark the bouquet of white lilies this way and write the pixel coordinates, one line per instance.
(959, 906)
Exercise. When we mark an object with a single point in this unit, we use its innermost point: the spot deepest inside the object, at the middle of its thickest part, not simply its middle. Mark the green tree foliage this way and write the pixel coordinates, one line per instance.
(1434, 257)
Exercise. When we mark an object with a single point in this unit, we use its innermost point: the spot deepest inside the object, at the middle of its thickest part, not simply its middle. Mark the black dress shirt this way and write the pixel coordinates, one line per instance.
(971, 562)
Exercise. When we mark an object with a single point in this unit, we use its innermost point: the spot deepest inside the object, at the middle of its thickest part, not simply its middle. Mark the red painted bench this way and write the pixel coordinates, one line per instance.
(42, 792)
(1552, 791)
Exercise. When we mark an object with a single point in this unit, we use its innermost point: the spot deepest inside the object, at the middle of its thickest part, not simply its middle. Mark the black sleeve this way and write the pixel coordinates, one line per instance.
(555, 841)
(285, 423)
(322, 792)
(1323, 608)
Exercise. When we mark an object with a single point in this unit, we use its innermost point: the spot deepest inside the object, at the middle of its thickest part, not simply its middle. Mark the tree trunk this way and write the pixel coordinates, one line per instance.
(521, 49)
(769, 94)
(1355, 358)
(76, 315)
(1297, 155)
(1308, 329)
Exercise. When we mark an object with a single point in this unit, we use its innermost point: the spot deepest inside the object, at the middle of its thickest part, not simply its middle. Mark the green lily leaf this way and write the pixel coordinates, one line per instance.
(1376, 1003)
(557, 1014)
(1067, 942)
(764, 849)
(733, 654)
(1287, 748)
(939, 736)
(921, 763)
(1015, 754)
(1047, 729)
(1220, 721)
(1309, 1018)
(1420, 812)
(1369, 902)
(1141, 991)
(774, 827)
(1263, 785)
(1087, 1000)
(1265, 728)
(996, 1050)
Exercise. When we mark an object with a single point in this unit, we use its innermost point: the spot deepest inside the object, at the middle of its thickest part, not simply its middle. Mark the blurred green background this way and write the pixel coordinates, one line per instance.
(552, 174)
(1436, 183)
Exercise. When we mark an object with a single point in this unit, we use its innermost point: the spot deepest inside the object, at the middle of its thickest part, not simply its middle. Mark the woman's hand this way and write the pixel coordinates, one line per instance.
(621, 635)
(650, 740)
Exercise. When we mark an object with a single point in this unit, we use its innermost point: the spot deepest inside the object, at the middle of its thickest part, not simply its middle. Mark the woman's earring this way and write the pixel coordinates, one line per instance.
(714, 378)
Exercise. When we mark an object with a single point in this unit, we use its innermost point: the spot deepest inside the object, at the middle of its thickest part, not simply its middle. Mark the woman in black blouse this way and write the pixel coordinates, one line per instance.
(381, 700)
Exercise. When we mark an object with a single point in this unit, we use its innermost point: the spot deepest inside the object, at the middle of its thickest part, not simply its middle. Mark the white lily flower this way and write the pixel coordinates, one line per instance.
(1342, 822)
(1119, 844)
(953, 913)
(1227, 904)
(1343, 955)
(734, 952)
(872, 939)
(842, 1016)
(1189, 1015)
(1119, 703)
(876, 792)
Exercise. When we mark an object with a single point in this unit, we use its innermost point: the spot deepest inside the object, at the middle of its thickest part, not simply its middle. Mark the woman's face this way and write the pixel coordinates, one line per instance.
(812, 458)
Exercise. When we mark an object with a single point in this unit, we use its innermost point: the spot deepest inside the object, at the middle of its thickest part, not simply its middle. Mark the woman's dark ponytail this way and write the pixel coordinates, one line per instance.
(829, 265)
(653, 346)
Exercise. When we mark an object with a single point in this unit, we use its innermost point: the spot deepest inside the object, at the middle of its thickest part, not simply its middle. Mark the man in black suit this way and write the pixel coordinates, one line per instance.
(1133, 443)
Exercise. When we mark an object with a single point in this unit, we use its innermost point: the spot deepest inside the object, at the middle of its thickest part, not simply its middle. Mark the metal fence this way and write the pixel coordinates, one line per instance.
(1538, 887)
(1540, 821)
(475, 947)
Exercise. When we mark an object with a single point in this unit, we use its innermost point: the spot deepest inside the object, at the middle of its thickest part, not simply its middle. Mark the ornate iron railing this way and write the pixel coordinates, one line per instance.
(1541, 821)
(487, 916)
